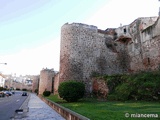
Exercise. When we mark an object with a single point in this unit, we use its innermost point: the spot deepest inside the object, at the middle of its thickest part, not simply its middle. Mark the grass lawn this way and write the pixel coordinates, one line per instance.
(111, 110)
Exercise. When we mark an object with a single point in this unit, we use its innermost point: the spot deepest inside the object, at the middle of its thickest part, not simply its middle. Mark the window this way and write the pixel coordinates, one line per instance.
(148, 61)
(124, 30)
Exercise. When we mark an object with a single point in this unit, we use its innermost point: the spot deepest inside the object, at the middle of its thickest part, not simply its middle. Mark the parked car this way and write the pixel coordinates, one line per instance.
(2, 94)
(24, 94)
(7, 93)
(13, 92)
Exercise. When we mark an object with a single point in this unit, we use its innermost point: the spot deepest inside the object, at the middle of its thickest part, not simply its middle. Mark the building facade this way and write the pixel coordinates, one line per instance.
(2, 80)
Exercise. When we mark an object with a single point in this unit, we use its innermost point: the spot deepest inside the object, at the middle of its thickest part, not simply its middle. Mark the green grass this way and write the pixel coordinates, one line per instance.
(109, 110)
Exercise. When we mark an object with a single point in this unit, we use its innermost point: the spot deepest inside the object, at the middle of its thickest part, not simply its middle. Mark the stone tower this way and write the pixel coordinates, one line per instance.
(35, 84)
(46, 80)
(84, 51)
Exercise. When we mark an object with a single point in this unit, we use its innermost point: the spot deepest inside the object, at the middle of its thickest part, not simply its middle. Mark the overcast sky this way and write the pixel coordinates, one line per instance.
(30, 29)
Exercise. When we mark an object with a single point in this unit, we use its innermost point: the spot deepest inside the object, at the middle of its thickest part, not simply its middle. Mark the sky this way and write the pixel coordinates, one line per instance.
(30, 29)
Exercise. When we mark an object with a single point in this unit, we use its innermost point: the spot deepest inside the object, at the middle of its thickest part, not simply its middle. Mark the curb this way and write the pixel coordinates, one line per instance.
(24, 106)
(65, 112)
(22, 111)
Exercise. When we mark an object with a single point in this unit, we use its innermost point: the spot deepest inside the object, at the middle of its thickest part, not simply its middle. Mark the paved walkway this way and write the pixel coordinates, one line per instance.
(39, 110)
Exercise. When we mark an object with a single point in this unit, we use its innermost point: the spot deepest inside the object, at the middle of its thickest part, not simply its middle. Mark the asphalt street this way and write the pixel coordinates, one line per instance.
(8, 105)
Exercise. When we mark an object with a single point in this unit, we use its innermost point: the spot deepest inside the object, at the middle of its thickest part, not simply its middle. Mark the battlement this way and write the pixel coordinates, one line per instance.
(46, 69)
(81, 25)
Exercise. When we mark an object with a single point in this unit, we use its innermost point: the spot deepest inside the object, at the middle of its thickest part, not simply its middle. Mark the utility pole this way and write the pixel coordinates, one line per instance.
(4, 63)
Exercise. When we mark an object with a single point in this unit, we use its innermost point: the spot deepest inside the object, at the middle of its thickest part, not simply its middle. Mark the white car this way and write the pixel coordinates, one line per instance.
(7, 93)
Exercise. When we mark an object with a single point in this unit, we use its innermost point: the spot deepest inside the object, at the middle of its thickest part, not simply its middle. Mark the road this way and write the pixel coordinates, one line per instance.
(8, 105)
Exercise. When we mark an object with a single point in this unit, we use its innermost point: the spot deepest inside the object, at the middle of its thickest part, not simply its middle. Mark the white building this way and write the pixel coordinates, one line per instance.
(2, 80)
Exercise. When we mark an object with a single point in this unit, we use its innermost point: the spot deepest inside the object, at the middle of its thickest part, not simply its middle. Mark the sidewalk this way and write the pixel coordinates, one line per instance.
(39, 110)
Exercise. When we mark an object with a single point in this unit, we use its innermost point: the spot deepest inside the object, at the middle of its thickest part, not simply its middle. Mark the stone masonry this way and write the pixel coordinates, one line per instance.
(56, 83)
(84, 52)
(142, 40)
(35, 84)
(46, 82)
(87, 50)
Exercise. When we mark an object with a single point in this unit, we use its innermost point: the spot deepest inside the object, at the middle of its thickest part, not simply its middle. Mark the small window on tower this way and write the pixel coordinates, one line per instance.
(148, 61)
(124, 30)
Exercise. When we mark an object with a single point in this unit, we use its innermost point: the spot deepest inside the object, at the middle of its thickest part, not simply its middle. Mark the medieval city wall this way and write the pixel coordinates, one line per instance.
(35, 84)
(143, 50)
(85, 51)
(150, 45)
(56, 83)
(46, 80)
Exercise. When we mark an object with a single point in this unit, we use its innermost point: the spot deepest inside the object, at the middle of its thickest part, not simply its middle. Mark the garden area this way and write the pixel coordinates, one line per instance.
(134, 96)
(109, 110)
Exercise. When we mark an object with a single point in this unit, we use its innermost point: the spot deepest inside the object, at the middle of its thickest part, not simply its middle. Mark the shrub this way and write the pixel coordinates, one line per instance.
(24, 89)
(36, 90)
(113, 81)
(122, 92)
(46, 93)
(17, 88)
(1, 88)
(71, 91)
(140, 86)
(112, 97)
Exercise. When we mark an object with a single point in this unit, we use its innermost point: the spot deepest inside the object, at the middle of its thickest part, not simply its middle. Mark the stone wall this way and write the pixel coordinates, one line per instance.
(142, 45)
(56, 83)
(150, 46)
(84, 51)
(10, 83)
(100, 88)
(46, 80)
(35, 84)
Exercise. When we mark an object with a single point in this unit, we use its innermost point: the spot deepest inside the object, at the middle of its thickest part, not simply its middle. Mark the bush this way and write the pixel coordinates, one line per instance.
(122, 92)
(17, 88)
(71, 91)
(1, 88)
(140, 86)
(24, 89)
(36, 90)
(46, 93)
(112, 97)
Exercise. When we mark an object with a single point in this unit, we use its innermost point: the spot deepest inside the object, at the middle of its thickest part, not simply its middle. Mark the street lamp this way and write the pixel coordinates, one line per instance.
(4, 63)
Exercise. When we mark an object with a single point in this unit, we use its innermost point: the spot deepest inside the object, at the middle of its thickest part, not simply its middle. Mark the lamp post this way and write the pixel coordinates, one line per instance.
(4, 63)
